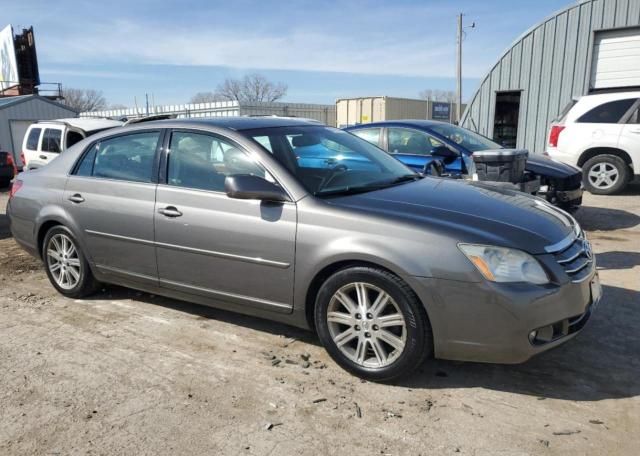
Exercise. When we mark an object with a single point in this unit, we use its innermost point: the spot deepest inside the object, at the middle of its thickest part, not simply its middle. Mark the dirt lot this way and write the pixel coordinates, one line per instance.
(131, 373)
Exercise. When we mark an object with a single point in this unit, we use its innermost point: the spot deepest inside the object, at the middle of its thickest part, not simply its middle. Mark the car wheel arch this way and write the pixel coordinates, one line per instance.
(328, 270)
(46, 222)
(595, 151)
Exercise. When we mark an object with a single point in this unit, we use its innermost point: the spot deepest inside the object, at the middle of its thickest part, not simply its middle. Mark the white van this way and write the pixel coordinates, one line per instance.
(44, 140)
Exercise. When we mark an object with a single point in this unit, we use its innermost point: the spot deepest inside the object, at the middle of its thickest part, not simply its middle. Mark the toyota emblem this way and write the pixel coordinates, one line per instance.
(586, 245)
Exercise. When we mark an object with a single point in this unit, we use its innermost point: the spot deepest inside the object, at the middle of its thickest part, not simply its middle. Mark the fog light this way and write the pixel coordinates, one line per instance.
(533, 335)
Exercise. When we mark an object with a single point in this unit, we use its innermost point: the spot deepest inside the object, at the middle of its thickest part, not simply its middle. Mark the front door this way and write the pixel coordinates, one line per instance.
(237, 251)
(414, 147)
(110, 197)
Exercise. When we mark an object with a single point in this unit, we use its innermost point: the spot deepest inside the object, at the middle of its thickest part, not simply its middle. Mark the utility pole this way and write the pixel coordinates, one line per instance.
(459, 72)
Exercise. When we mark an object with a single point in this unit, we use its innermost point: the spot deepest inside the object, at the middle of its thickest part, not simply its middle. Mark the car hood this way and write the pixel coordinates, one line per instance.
(543, 166)
(469, 211)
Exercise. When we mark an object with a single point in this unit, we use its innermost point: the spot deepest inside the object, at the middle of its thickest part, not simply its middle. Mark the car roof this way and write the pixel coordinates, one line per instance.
(85, 123)
(240, 123)
(416, 123)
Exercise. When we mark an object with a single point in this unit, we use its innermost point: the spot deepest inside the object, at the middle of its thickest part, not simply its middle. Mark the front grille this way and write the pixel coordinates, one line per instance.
(576, 259)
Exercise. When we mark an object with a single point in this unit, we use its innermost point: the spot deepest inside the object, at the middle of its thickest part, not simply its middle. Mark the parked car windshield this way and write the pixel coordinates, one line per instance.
(466, 138)
(328, 161)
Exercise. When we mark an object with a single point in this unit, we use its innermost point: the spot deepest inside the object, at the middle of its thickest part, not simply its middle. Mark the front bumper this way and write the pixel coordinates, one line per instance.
(493, 322)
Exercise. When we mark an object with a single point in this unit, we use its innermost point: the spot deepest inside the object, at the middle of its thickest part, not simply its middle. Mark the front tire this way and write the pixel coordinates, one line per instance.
(372, 324)
(605, 174)
(66, 265)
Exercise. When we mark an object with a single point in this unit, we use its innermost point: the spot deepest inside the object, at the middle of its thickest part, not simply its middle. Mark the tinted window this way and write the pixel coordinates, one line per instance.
(86, 165)
(203, 161)
(51, 140)
(33, 138)
(466, 138)
(73, 137)
(610, 112)
(371, 135)
(405, 141)
(127, 158)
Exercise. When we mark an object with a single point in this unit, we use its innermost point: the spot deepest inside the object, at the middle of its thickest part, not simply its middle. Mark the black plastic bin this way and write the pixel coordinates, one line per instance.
(501, 165)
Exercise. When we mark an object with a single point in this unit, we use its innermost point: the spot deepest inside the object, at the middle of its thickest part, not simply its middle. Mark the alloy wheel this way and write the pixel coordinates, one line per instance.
(366, 325)
(63, 261)
(603, 175)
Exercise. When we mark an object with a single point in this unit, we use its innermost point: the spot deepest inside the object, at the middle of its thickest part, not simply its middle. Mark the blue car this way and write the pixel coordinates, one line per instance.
(420, 143)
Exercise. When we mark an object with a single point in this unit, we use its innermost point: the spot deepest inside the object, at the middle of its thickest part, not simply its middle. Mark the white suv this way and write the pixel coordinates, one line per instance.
(601, 134)
(44, 140)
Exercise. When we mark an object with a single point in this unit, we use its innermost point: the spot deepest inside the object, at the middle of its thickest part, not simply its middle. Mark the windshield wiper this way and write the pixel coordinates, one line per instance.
(369, 187)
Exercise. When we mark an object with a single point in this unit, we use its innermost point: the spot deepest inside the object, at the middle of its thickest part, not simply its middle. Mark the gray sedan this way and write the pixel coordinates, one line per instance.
(309, 225)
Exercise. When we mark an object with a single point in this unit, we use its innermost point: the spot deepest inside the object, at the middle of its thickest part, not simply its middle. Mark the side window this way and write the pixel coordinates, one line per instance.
(85, 168)
(610, 112)
(202, 161)
(128, 157)
(405, 141)
(371, 135)
(73, 137)
(33, 138)
(51, 140)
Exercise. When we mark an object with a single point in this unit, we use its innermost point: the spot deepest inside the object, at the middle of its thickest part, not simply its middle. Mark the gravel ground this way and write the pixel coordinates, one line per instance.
(132, 373)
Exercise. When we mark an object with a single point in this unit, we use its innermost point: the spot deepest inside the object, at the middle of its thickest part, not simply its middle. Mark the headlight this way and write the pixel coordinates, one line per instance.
(500, 264)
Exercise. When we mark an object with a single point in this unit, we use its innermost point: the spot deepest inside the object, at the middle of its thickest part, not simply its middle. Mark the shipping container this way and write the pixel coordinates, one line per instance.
(355, 111)
(323, 113)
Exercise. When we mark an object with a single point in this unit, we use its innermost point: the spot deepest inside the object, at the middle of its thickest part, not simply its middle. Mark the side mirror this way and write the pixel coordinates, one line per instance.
(443, 152)
(247, 186)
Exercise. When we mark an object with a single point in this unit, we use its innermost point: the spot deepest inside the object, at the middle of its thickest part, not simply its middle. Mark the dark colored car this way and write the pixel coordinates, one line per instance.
(418, 143)
(7, 168)
(387, 265)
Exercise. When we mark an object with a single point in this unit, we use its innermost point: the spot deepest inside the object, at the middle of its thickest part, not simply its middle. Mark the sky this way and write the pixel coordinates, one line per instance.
(323, 50)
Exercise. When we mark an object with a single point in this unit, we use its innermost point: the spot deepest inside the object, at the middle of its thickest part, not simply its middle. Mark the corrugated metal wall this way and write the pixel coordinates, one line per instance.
(30, 110)
(551, 65)
(324, 113)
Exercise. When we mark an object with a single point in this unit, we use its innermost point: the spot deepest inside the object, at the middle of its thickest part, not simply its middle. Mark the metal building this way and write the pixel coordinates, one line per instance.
(17, 113)
(324, 113)
(592, 45)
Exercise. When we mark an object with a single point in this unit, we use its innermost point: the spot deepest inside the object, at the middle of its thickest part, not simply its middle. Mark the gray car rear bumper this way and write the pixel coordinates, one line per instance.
(491, 322)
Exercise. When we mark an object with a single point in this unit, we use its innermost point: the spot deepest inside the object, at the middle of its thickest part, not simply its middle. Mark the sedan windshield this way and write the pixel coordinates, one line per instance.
(328, 161)
(466, 138)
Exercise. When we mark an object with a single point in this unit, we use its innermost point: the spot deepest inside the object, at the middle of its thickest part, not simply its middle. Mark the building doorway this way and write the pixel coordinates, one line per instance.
(505, 123)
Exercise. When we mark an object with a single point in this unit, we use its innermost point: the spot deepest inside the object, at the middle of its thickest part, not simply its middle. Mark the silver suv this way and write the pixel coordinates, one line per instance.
(309, 225)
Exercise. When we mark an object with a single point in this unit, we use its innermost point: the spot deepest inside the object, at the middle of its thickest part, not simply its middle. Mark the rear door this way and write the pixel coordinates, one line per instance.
(50, 145)
(216, 247)
(110, 197)
(600, 126)
(30, 148)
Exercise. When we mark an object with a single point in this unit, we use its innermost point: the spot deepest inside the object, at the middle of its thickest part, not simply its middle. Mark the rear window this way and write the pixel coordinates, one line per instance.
(33, 138)
(610, 112)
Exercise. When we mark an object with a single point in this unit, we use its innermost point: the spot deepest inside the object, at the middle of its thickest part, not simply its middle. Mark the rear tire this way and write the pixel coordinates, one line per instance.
(66, 265)
(372, 324)
(605, 174)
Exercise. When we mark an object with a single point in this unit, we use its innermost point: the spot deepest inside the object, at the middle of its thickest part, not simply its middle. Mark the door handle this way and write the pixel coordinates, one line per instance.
(77, 198)
(636, 131)
(170, 211)
(43, 157)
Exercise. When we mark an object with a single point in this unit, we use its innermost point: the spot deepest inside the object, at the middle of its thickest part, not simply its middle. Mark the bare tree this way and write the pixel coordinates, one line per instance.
(250, 89)
(84, 100)
(426, 94)
(205, 97)
(438, 95)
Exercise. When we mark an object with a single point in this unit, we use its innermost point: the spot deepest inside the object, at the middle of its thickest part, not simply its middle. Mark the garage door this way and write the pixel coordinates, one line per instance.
(616, 59)
(18, 130)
